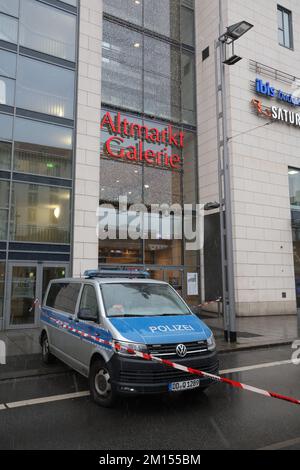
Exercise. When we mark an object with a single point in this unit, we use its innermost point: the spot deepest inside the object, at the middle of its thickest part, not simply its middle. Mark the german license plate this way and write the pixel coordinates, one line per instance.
(187, 385)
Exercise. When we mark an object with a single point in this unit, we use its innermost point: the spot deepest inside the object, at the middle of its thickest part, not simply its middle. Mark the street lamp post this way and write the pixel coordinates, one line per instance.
(225, 41)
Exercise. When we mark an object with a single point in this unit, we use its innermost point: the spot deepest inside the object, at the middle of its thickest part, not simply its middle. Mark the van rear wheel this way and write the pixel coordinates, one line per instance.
(102, 390)
(47, 357)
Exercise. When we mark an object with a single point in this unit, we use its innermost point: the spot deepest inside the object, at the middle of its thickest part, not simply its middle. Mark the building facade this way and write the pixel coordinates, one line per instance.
(102, 99)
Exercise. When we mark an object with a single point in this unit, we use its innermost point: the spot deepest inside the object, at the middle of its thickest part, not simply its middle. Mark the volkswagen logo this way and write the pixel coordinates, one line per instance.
(181, 350)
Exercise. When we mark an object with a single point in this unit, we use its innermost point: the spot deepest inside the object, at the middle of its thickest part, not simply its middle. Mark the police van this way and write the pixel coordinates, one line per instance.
(93, 324)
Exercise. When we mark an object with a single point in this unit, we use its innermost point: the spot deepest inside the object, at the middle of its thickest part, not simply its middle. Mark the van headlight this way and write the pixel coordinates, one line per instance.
(211, 343)
(127, 349)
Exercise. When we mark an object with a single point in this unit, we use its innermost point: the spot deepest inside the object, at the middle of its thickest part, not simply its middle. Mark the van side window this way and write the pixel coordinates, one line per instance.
(63, 297)
(89, 300)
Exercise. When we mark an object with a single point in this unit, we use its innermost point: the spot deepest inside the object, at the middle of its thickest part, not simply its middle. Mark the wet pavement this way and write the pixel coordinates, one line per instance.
(221, 418)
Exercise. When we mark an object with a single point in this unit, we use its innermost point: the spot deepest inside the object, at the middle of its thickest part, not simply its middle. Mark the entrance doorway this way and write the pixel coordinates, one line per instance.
(28, 282)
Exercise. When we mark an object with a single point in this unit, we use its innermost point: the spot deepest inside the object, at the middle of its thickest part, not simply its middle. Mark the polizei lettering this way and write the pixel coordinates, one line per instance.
(170, 328)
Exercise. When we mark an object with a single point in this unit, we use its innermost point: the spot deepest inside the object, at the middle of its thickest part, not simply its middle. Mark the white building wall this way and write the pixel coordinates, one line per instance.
(263, 249)
(87, 181)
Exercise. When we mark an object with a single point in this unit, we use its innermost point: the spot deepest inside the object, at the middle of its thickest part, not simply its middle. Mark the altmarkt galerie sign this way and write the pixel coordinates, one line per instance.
(121, 129)
(276, 113)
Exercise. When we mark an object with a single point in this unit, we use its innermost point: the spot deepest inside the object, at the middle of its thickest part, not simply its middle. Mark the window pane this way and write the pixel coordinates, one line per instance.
(122, 67)
(41, 160)
(128, 10)
(5, 155)
(162, 97)
(40, 214)
(47, 29)
(287, 33)
(2, 283)
(4, 200)
(7, 91)
(8, 64)
(281, 37)
(163, 17)
(187, 26)
(89, 300)
(44, 134)
(8, 29)
(188, 92)
(280, 19)
(294, 182)
(11, 7)
(6, 125)
(63, 297)
(45, 88)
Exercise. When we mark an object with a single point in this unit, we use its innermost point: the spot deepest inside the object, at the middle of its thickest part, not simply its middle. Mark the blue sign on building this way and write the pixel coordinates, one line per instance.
(264, 88)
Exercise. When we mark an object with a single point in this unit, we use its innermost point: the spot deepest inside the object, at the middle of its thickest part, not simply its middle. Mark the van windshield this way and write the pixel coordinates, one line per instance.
(141, 300)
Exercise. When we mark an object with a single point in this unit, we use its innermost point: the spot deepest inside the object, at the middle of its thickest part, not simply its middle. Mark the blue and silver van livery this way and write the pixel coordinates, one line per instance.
(135, 312)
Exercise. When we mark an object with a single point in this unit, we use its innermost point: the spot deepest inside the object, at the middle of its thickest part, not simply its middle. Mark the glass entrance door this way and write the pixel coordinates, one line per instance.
(23, 293)
(27, 284)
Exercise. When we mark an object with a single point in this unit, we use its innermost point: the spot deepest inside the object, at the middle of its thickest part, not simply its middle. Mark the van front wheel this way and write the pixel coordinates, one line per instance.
(101, 388)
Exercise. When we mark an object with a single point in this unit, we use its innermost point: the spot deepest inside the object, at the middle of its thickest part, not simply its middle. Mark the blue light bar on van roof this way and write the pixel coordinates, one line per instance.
(116, 273)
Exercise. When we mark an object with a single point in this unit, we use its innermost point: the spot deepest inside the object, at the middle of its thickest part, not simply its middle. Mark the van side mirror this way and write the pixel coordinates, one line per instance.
(87, 315)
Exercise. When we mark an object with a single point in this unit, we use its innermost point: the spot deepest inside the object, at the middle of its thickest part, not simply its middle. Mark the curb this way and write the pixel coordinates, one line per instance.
(249, 347)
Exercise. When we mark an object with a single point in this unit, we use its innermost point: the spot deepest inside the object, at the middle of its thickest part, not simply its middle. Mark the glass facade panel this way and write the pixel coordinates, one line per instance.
(6, 127)
(5, 155)
(8, 64)
(163, 17)
(45, 88)
(187, 26)
(127, 10)
(2, 284)
(23, 295)
(40, 214)
(4, 201)
(122, 67)
(11, 7)
(47, 29)
(8, 29)
(43, 134)
(42, 160)
(144, 74)
(188, 88)
(7, 91)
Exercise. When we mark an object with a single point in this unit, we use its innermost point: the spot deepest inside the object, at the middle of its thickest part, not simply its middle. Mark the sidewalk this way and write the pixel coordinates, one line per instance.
(23, 351)
(255, 332)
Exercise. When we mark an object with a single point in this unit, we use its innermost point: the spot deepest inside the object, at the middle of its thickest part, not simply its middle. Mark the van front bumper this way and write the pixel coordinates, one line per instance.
(133, 376)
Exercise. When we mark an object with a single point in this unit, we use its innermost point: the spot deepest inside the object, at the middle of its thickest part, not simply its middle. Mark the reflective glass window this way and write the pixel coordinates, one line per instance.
(5, 155)
(7, 91)
(11, 7)
(128, 10)
(45, 88)
(8, 64)
(6, 127)
(47, 29)
(8, 29)
(163, 17)
(2, 283)
(40, 213)
(122, 67)
(43, 134)
(4, 201)
(43, 160)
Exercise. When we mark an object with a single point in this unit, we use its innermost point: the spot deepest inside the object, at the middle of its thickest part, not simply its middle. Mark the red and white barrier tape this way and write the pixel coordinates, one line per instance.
(174, 365)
